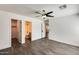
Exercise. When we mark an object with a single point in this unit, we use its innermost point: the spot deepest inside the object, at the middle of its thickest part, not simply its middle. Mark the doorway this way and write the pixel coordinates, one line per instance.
(46, 28)
(15, 32)
(28, 32)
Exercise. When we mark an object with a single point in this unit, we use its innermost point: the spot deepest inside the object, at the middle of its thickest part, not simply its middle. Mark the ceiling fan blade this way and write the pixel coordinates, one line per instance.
(49, 12)
(49, 16)
(38, 16)
(37, 12)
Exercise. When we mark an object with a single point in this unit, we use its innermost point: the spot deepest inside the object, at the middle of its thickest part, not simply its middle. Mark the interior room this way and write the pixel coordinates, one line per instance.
(15, 32)
(39, 29)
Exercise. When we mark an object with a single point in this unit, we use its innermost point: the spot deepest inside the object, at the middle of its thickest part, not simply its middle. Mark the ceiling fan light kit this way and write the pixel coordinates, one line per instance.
(44, 17)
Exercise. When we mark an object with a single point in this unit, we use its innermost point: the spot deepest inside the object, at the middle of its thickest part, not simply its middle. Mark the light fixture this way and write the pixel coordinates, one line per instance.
(44, 17)
(63, 6)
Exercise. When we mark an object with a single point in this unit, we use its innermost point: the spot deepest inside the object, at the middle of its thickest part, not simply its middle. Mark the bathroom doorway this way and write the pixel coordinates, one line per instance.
(28, 32)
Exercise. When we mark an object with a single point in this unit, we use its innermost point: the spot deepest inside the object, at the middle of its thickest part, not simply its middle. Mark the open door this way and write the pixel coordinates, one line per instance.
(15, 32)
(28, 32)
(46, 28)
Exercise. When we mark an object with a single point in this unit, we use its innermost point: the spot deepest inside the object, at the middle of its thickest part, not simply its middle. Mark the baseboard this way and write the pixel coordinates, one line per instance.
(5, 47)
(66, 43)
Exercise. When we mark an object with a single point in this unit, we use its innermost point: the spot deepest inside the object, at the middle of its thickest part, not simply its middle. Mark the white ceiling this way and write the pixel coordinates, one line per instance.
(29, 9)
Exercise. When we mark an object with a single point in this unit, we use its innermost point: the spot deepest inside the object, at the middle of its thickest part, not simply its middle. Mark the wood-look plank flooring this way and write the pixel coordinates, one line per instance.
(42, 47)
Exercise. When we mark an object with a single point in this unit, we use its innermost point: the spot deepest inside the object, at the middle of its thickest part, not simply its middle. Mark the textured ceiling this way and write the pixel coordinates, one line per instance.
(29, 9)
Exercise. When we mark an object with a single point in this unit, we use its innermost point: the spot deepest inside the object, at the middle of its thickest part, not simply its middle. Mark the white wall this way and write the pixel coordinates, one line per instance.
(5, 28)
(36, 30)
(4, 31)
(65, 29)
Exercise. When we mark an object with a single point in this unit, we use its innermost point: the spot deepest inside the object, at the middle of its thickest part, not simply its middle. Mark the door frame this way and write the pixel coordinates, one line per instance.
(31, 30)
(19, 30)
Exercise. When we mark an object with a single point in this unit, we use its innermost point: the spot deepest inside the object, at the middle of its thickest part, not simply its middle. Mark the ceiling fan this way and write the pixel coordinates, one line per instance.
(43, 13)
